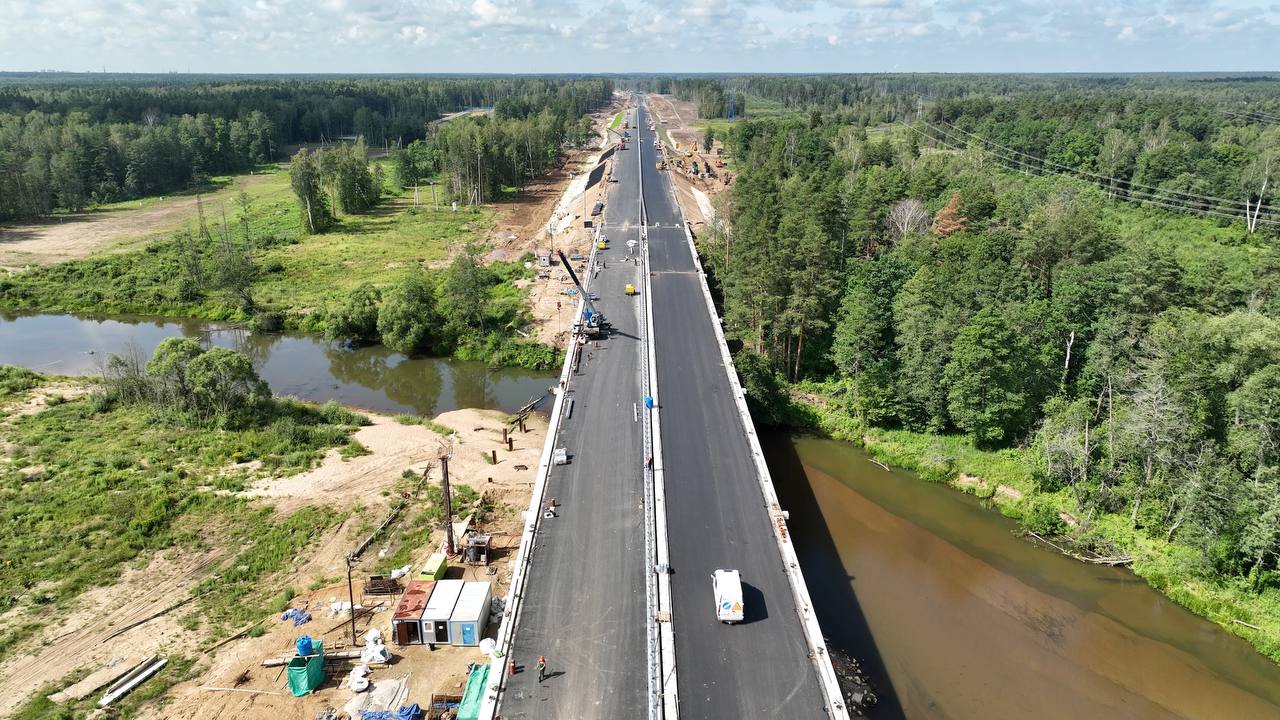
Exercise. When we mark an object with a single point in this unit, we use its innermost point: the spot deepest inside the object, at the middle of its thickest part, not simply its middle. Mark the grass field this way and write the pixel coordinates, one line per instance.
(297, 273)
(92, 485)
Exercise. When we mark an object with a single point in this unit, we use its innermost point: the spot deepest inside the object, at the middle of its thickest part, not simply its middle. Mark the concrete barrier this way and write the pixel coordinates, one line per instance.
(661, 560)
(532, 521)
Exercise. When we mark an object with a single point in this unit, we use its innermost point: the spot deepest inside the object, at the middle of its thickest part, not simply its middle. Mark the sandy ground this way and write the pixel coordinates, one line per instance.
(70, 237)
(80, 640)
(394, 448)
(549, 216)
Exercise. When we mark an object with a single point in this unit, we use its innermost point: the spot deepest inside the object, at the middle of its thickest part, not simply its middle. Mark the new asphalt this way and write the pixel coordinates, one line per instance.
(584, 607)
(716, 516)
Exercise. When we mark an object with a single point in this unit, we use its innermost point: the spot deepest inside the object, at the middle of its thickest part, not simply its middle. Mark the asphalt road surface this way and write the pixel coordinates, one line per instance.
(716, 516)
(584, 607)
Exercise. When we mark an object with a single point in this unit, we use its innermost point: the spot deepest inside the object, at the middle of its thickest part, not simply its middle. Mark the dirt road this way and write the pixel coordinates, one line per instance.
(70, 237)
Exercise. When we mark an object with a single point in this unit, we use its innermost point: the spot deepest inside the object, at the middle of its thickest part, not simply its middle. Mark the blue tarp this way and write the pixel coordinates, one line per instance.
(299, 617)
(408, 712)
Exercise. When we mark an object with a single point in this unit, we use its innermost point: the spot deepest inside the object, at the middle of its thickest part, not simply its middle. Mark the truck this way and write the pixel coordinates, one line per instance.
(726, 585)
(593, 324)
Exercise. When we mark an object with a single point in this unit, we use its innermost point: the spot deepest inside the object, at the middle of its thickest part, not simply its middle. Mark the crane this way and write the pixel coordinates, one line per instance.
(593, 323)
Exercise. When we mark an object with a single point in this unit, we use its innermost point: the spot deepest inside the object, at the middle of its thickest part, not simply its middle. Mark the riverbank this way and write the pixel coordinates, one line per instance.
(954, 614)
(297, 282)
(125, 514)
(1006, 480)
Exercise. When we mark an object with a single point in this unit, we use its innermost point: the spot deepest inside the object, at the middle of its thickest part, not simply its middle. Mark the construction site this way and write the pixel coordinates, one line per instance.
(404, 598)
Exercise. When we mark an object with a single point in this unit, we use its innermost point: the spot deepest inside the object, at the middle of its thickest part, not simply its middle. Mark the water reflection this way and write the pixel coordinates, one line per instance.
(961, 618)
(310, 368)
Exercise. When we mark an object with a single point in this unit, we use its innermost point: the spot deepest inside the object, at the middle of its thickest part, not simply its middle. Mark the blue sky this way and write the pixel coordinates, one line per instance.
(348, 36)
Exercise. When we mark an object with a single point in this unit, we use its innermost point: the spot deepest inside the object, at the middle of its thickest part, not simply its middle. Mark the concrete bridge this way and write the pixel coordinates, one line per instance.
(615, 590)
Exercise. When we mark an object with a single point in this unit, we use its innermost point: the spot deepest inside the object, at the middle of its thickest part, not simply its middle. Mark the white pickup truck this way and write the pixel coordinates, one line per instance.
(727, 587)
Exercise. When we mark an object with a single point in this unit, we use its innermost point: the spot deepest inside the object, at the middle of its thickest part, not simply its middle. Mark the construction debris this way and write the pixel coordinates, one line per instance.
(297, 615)
(96, 680)
(132, 679)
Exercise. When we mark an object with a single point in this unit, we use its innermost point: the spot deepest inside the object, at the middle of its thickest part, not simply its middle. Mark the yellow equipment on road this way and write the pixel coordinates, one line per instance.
(631, 289)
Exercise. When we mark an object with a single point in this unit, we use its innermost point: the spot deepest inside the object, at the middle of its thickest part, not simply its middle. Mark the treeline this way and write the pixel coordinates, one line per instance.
(713, 96)
(1138, 367)
(483, 155)
(71, 144)
(469, 310)
(876, 98)
(1167, 149)
(300, 110)
(68, 162)
(334, 179)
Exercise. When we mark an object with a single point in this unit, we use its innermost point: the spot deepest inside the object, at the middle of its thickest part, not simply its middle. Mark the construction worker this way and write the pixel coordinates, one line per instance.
(542, 667)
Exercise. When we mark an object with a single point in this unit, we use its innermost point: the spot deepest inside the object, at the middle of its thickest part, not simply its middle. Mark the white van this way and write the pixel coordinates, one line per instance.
(727, 587)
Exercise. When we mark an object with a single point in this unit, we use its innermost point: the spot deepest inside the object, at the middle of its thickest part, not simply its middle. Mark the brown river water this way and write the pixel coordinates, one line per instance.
(955, 616)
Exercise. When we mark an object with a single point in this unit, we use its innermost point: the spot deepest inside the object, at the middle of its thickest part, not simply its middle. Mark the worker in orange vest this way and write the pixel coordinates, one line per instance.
(542, 667)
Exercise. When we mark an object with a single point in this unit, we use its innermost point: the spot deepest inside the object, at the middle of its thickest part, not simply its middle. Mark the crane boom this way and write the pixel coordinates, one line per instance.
(593, 319)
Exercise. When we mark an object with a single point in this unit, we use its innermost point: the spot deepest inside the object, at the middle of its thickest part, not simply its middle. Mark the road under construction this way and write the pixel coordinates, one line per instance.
(664, 483)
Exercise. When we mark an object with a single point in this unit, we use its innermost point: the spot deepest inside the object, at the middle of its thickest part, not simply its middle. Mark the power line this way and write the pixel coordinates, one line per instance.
(1015, 164)
(1136, 195)
(1255, 115)
(1173, 194)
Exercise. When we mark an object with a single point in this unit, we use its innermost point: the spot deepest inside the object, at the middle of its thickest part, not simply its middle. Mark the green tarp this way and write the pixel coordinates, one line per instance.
(469, 708)
(306, 674)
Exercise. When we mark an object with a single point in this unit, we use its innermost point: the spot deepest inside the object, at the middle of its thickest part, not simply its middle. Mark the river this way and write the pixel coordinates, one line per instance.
(951, 612)
(309, 368)
(957, 617)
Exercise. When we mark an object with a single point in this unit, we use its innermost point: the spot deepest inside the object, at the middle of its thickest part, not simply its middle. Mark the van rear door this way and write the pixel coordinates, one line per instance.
(727, 587)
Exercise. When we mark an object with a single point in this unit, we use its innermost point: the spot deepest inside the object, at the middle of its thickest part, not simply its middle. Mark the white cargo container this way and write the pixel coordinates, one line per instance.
(435, 617)
(727, 587)
(470, 615)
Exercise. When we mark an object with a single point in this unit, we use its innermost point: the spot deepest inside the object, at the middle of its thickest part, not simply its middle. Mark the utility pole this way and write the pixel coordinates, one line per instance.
(351, 598)
(448, 507)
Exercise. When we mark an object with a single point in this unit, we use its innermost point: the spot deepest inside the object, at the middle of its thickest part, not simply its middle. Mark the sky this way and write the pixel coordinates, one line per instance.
(543, 36)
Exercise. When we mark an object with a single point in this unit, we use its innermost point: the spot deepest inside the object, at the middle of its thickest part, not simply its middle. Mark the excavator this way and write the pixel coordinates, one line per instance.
(593, 324)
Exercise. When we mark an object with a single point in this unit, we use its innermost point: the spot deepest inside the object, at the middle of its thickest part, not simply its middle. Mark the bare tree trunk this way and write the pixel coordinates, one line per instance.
(1066, 365)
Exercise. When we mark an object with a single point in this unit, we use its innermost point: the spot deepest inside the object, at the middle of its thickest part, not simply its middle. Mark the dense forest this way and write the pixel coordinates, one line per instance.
(714, 99)
(1130, 353)
(524, 136)
(78, 142)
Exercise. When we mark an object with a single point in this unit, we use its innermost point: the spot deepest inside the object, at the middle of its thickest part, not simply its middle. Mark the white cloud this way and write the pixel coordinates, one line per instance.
(640, 35)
